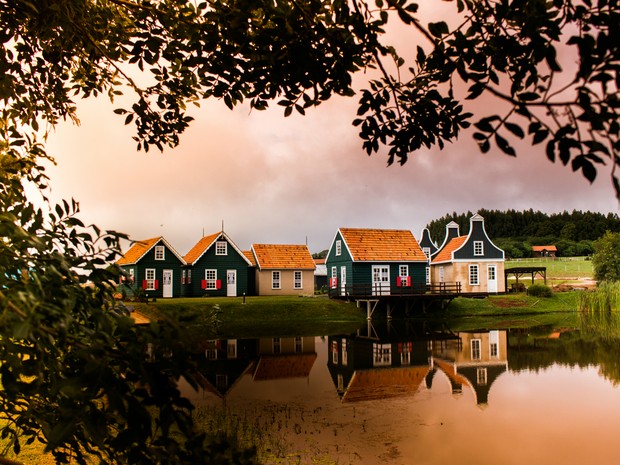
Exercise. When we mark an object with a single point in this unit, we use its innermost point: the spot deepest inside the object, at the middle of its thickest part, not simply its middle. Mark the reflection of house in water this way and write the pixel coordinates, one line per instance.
(284, 357)
(226, 360)
(475, 359)
(366, 368)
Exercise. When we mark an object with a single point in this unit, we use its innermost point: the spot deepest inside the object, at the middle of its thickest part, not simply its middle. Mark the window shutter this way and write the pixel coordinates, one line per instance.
(333, 282)
(399, 281)
(218, 284)
(156, 284)
(408, 281)
(203, 284)
(144, 284)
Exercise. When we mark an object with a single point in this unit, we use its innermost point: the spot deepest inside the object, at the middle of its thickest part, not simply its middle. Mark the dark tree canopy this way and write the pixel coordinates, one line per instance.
(73, 366)
(299, 54)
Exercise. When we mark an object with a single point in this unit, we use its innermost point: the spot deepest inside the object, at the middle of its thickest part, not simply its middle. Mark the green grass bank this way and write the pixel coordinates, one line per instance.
(259, 316)
(311, 316)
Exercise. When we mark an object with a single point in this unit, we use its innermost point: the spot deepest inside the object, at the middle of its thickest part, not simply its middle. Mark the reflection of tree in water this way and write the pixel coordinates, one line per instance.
(592, 345)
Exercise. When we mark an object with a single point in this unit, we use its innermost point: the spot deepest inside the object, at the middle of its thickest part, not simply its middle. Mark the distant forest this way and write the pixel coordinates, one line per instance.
(517, 231)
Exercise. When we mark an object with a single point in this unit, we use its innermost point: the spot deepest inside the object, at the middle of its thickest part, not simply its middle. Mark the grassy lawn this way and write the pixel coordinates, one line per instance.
(259, 316)
(558, 269)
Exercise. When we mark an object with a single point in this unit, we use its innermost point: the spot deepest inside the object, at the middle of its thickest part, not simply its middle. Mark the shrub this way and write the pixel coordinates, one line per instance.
(539, 290)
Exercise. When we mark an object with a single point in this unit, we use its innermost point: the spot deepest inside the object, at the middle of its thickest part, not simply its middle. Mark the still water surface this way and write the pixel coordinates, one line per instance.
(408, 394)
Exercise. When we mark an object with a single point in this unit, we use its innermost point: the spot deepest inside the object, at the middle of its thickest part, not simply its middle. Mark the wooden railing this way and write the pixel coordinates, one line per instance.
(377, 290)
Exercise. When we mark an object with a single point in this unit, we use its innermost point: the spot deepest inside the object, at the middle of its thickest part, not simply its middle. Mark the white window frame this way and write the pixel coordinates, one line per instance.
(183, 276)
(149, 276)
(441, 274)
(345, 354)
(474, 275)
(231, 349)
(476, 349)
(189, 276)
(132, 275)
(334, 277)
(334, 352)
(427, 252)
(276, 280)
(221, 248)
(211, 278)
(382, 354)
(160, 252)
(478, 248)
(338, 248)
(403, 271)
(428, 275)
(298, 280)
(481, 376)
(299, 345)
(276, 345)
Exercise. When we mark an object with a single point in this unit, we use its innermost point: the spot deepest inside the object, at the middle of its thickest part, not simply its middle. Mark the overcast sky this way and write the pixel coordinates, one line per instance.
(271, 179)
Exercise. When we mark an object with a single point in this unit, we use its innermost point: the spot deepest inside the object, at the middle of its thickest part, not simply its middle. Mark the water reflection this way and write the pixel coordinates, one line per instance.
(418, 392)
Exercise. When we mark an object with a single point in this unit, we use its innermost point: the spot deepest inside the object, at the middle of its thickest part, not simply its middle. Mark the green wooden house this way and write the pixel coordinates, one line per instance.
(153, 266)
(375, 262)
(216, 267)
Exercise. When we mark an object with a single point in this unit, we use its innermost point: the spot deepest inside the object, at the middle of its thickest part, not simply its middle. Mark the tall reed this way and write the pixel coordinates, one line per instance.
(604, 299)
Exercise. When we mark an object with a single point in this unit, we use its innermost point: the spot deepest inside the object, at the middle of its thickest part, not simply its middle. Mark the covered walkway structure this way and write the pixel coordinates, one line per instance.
(518, 272)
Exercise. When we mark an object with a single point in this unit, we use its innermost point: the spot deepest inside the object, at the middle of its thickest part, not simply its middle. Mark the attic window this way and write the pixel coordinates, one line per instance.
(221, 248)
(478, 248)
(338, 248)
(427, 252)
(159, 252)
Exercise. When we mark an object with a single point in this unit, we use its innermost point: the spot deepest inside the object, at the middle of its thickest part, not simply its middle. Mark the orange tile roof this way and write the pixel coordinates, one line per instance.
(382, 245)
(203, 244)
(137, 251)
(284, 366)
(250, 256)
(540, 248)
(445, 254)
(384, 383)
(278, 256)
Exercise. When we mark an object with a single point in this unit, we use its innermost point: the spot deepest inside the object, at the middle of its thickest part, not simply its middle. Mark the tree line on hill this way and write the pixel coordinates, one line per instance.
(517, 231)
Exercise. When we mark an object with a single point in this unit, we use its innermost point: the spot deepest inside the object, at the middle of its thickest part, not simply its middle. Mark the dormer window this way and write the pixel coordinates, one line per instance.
(159, 252)
(478, 248)
(427, 252)
(221, 248)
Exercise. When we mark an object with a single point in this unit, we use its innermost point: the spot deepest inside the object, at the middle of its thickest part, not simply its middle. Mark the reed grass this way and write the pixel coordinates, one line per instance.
(603, 300)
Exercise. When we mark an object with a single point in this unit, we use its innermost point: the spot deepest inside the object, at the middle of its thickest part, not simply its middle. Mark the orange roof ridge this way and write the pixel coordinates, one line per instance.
(367, 244)
(137, 250)
(445, 254)
(200, 248)
(283, 256)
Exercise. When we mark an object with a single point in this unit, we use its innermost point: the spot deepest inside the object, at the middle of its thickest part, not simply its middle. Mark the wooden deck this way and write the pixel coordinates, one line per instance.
(409, 298)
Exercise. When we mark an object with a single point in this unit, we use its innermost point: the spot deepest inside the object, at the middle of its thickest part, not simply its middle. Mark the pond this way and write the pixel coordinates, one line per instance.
(415, 392)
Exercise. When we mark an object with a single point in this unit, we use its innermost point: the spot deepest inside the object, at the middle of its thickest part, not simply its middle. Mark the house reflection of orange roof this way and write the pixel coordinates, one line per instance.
(278, 256)
(284, 366)
(384, 383)
(450, 370)
(201, 246)
(137, 251)
(382, 244)
(445, 254)
(250, 256)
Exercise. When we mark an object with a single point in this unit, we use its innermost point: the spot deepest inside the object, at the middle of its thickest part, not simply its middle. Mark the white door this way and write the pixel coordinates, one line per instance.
(492, 278)
(231, 283)
(167, 284)
(380, 280)
(343, 280)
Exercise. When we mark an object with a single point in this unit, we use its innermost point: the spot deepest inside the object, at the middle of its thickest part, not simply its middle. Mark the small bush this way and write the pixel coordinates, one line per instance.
(539, 290)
